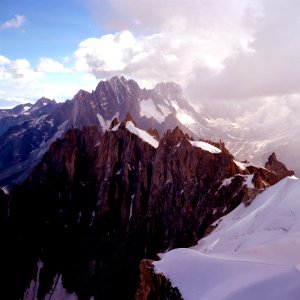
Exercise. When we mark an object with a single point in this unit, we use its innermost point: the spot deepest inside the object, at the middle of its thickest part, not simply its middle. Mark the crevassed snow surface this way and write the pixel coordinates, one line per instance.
(144, 135)
(252, 254)
(205, 146)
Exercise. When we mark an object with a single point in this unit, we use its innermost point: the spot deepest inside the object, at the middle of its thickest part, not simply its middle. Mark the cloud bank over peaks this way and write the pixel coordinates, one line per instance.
(218, 50)
(167, 43)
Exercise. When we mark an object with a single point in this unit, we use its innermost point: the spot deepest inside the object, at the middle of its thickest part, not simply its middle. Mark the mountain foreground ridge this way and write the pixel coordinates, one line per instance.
(253, 252)
(97, 204)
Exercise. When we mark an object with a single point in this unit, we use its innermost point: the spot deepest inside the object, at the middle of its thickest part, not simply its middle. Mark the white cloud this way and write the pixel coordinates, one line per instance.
(17, 21)
(48, 65)
(4, 60)
(177, 37)
(216, 49)
(18, 70)
(225, 49)
(106, 54)
(271, 69)
(20, 82)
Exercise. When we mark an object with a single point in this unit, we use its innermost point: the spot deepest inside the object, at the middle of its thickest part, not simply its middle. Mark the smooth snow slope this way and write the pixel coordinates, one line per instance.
(254, 253)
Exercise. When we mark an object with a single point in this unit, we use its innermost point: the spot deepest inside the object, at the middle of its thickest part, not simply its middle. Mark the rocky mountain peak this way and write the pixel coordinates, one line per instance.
(153, 132)
(16, 110)
(118, 80)
(128, 118)
(43, 102)
(114, 82)
(278, 167)
(177, 133)
(116, 92)
(114, 122)
(272, 158)
(81, 94)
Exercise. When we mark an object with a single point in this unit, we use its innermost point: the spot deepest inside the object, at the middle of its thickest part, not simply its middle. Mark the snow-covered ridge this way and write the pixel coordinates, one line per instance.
(205, 146)
(273, 215)
(252, 254)
(142, 134)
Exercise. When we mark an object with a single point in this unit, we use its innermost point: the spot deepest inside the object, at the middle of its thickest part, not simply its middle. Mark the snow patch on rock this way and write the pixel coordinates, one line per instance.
(149, 110)
(205, 146)
(142, 134)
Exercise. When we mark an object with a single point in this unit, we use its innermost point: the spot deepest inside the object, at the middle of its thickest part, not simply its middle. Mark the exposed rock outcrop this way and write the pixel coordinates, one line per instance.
(154, 286)
(278, 167)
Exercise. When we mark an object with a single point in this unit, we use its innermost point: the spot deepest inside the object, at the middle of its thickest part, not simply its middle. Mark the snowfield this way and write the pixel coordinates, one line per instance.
(254, 253)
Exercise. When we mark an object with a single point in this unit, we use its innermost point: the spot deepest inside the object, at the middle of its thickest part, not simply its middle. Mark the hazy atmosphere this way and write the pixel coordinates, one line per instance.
(233, 50)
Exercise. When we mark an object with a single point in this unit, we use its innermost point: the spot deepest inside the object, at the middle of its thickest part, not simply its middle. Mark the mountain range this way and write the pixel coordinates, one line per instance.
(109, 202)
(27, 131)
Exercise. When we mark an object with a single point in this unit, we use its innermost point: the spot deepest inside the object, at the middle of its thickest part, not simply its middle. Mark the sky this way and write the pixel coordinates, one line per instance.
(233, 51)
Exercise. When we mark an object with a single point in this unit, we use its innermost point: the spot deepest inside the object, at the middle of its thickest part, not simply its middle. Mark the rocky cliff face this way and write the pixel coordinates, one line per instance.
(153, 285)
(96, 205)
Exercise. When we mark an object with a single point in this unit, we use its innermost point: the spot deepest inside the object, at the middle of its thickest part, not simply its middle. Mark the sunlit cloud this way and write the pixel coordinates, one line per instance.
(49, 65)
(168, 43)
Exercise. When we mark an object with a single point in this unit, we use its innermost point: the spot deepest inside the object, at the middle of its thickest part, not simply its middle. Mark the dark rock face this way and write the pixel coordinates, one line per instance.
(96, 205)
(25, 135)
(185, 183)
(153, 285)
(28, 130)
